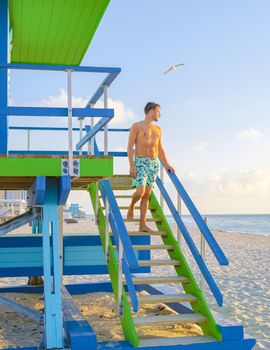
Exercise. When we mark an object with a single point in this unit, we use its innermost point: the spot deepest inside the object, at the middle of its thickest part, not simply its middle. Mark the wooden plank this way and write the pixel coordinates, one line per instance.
(79, 333)
(159, 262)
(165, 298)
(140, 233)
(165, 320)
(121, 187)
(23, 310)
(52, 156)
(124, 181)
(138, 220)
(125, 208)
(24, 182)
(152, 247)
(159, 279)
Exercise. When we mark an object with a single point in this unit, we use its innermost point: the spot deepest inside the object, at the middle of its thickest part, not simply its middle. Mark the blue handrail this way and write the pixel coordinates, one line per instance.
(220, 256)
(125, 267)
(121, 228)
(91, 133)
(45, 128)
(56, 112)
(89, 69)
(199, 260)
(112, 73)
(81, 113)
(116, 219)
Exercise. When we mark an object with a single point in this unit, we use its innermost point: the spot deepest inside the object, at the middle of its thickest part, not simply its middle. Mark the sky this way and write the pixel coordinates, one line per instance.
(214, 109)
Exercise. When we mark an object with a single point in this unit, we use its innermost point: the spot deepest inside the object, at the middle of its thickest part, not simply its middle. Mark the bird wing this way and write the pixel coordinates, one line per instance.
(180, 64)
(168, 70)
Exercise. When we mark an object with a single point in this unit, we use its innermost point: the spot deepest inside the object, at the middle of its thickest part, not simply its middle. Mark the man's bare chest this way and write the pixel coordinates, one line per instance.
(148, 135)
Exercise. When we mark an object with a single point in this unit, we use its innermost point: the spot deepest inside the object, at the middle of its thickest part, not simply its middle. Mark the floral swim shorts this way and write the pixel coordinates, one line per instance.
(146, 171)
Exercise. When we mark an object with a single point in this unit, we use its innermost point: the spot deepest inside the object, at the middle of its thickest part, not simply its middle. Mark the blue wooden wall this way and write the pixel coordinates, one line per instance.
(22, 255)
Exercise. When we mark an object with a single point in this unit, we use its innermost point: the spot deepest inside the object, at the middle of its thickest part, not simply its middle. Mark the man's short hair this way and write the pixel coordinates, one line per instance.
(149, 106)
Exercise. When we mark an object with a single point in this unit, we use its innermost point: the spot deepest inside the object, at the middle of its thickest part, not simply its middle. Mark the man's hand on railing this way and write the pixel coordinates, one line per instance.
(170, 169)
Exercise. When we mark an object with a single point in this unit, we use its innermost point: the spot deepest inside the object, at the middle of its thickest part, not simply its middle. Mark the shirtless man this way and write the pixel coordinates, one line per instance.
(144, 168)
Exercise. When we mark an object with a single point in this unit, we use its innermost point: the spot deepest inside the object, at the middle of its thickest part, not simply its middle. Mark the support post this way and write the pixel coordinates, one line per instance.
(28, 139)
(105, 90)
(51, 267)
(36, 229)
(92, 141)
(61, 237)
(70, 142)
(80, 135)
(4, 44)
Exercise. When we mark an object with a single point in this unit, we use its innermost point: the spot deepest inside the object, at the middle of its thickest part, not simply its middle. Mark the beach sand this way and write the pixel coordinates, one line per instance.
(245, 285)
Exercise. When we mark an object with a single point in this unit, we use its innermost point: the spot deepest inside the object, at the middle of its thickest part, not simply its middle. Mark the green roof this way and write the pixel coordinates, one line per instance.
(53, 31)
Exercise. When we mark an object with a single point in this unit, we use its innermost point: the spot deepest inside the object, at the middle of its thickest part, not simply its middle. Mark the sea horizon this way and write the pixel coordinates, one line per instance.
(256, 224)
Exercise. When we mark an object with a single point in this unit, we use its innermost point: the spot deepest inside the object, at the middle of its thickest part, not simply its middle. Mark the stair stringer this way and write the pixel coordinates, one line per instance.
(126, 319)
(200, 306)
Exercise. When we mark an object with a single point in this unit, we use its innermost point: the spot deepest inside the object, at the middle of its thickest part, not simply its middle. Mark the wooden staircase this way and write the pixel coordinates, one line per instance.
(191, 294)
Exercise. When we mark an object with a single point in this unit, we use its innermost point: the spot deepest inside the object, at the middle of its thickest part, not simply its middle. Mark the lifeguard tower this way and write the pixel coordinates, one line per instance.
(54, 35)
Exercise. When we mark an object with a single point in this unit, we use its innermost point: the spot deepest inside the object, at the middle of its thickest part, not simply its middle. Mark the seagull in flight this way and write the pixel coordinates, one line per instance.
(173, 67)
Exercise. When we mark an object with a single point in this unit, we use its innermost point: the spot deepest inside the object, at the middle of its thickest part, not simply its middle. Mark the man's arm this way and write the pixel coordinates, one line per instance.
(162, 156)
(131, 142)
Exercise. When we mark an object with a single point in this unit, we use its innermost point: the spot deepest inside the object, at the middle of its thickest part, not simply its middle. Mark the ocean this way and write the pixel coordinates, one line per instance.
(258, 224)
(253, 224)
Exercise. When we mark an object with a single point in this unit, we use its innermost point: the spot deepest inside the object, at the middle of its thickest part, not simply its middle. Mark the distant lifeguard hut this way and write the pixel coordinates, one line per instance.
(54, 36)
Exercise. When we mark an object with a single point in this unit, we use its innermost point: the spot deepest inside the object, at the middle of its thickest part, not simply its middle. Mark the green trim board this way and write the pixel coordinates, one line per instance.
(16, 167)
(19, 173)
(53, 31)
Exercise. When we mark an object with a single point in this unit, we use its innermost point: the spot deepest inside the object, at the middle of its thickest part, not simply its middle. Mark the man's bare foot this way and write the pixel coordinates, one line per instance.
(144, 228)
(130, 214)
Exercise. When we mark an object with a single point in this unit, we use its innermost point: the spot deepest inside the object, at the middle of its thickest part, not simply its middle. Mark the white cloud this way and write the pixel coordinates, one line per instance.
(201, 147)
(189, 175)
(60, 100)
(243, 182)
(249, 134)
(242, 191)
(122, 113)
